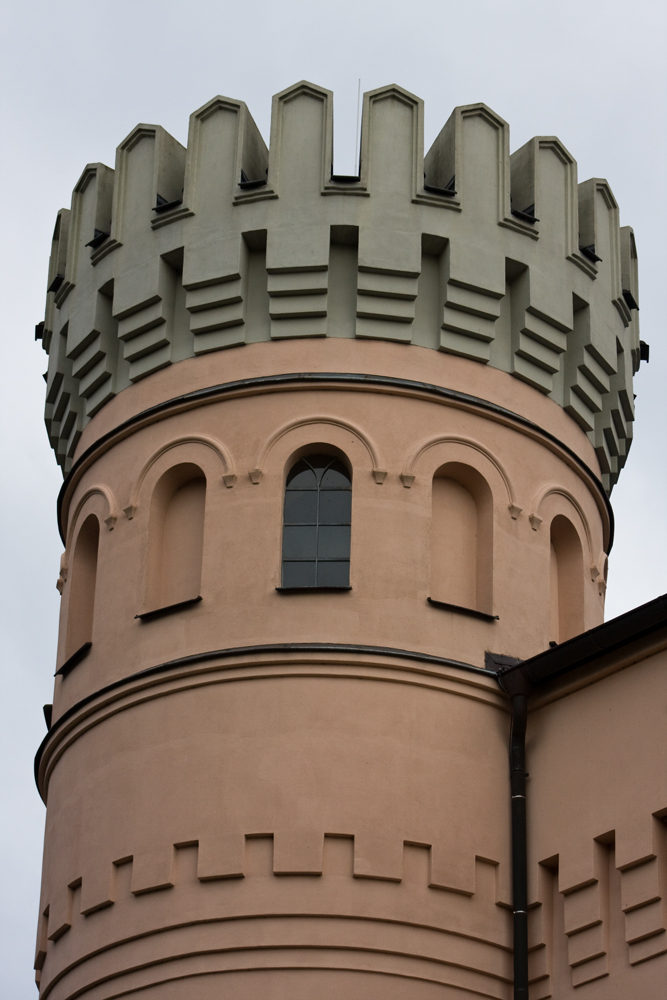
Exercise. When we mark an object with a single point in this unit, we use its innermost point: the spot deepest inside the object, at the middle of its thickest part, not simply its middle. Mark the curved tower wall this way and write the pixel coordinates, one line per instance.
(293, 793)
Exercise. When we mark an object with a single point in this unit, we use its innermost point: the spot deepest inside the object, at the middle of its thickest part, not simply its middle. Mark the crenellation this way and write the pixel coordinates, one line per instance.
(524, 184)
(213, 310)
(392, 151)
(474, 285)
(440, 162)
(221, 857)
(42, 942)
(536, 345)
(134, 187)
(293, 851)
(62, 909)
(56, 273)
(90, 223)
(587, 914)
(358, 915)
(301, 148)
(143, 306)
(169, 181)
(225, 149)
(227, 186)
(586, 381)
(298, 851)
(297, 262)
(98, 887)
(64, 406)
(153, 869)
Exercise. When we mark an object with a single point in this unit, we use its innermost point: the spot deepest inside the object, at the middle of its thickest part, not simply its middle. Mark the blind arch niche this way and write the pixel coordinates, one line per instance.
(317, 520)
(83, 581)
(462, 538)
(566, 579)
(176, 537)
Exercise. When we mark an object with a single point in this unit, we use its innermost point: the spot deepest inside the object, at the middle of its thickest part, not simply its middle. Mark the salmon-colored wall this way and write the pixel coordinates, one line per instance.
(597, 801)
(270, 795)
(270, 809)
(394, 443)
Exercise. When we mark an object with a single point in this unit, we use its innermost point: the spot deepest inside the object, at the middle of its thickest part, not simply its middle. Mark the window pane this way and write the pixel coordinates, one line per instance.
(301, 507)
(299, 574)
(319, 463)
(299, 543)
(336, 477)
(333, 542)
(333, 574)
(301, 477)
(335, 507)
(316, 528)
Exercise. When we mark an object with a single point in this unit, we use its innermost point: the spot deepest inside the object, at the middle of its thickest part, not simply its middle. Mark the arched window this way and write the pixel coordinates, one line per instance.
(567, 580)
(462, 539)
(176, 536)
(82, 586)
(316, 525)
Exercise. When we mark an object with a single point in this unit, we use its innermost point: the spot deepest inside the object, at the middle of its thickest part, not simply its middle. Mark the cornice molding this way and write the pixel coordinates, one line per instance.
(337, 380)
(78, 718)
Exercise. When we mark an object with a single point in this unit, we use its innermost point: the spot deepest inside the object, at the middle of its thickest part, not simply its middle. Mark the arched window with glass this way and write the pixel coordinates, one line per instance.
(316, 524)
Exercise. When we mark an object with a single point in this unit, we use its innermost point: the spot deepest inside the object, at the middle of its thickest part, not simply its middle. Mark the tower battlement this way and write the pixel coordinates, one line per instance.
(505, 260)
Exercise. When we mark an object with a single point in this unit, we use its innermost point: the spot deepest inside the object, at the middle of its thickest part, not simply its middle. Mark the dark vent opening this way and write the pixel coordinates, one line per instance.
(630, 299)
(589, 252)
(449, 189)
(163, 205)
(98, 239)
(526, 214)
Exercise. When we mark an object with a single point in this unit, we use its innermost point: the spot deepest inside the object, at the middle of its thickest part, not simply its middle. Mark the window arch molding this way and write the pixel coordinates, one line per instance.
(87, 503)
(554, 499)
(317, 448)
(100, 501)
(424, 461)
(206, 452)
(317, 519)
(346, 436)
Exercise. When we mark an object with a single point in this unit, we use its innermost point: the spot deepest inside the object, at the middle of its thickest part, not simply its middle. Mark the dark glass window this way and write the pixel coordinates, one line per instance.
(316, 527)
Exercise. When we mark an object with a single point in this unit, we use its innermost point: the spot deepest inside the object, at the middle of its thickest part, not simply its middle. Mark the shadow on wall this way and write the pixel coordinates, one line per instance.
(462, 538)
(82, 592)
(176, 537)
(567, 580)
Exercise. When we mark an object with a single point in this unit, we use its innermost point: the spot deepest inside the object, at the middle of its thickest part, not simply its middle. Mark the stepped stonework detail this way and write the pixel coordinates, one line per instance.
(337, 458)
(504, 259)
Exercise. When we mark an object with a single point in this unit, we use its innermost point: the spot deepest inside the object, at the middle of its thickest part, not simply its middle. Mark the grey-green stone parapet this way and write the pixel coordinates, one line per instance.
(502, 259)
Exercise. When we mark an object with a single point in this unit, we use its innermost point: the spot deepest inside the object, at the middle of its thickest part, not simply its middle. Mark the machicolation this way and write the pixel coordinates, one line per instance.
(502, 259)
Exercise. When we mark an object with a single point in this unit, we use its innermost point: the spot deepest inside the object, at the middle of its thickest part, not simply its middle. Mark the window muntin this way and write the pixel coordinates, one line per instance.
(316, 524)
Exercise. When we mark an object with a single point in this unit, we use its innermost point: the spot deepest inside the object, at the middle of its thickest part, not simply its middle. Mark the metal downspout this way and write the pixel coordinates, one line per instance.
(517, 688)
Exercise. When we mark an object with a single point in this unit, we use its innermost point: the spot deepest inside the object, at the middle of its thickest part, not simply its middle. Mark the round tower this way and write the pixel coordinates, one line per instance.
(328, 443)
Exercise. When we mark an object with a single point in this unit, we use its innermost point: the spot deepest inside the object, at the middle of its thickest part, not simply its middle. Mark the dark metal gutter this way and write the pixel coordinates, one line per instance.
(597, 642)
(517, 689)
(518, 679)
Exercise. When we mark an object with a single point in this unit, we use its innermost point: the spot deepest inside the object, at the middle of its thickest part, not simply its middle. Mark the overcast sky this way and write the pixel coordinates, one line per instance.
(77, 77)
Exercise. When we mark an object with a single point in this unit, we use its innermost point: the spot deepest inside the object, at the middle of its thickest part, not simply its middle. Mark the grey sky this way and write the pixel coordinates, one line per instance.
(78, 75)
